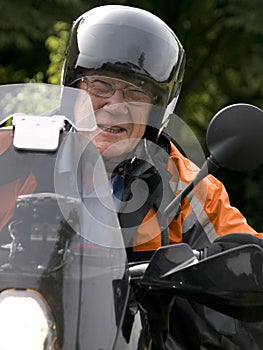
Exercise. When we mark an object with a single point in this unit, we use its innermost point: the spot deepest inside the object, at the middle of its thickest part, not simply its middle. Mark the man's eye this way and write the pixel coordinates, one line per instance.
(138, 93)
(135, 91)
(103, 84)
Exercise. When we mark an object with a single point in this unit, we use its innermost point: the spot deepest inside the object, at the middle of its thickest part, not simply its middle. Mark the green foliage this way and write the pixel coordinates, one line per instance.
(56, 45)
(24, 28)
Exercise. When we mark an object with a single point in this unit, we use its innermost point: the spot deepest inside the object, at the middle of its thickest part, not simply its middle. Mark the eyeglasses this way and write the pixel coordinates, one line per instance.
(98, 86)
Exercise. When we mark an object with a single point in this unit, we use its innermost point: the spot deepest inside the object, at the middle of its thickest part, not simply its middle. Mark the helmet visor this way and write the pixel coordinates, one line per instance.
(129, 42)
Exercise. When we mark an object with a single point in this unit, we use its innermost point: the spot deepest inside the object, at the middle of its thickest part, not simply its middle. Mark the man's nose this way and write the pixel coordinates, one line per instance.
(116, 104)
(117, 97)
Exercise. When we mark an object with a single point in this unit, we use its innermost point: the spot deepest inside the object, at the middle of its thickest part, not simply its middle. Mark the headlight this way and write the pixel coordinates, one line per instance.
(25, 321)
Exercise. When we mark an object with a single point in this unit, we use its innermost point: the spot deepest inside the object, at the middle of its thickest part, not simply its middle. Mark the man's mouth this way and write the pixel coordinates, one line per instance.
(112, 129)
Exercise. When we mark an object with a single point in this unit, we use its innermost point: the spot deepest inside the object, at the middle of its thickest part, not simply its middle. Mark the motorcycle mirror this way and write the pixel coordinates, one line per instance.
(229, 282)
(234, 137)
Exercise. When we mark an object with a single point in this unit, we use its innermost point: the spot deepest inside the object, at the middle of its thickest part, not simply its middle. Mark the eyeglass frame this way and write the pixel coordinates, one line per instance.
(85, 80)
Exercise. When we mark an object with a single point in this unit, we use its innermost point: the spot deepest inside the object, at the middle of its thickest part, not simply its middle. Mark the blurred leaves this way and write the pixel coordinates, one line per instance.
(56, 45)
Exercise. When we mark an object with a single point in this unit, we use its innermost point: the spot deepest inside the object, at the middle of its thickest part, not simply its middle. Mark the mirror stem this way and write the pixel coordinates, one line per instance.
(173, 209)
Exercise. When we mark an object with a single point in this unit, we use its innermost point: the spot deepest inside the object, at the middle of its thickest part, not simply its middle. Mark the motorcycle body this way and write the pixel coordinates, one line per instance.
(65, 280)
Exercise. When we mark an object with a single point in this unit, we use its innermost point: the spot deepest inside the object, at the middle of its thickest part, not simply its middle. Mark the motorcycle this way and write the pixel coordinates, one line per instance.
(65, 280)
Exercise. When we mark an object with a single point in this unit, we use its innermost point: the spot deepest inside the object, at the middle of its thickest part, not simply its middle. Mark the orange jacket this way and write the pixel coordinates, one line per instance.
(10, 191)
(205, 213)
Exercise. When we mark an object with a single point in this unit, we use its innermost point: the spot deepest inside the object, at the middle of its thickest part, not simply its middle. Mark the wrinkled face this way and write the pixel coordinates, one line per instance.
(121, 111)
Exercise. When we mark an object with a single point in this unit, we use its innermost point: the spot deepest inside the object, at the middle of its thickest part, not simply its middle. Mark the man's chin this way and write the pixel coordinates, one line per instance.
(114, 154)
(115, 150)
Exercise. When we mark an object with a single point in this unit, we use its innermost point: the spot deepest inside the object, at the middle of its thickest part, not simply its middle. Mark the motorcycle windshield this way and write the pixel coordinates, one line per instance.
(46, 99)
(63, 275)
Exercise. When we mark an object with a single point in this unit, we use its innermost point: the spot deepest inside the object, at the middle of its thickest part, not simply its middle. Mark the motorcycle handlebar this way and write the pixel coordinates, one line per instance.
(137, 270)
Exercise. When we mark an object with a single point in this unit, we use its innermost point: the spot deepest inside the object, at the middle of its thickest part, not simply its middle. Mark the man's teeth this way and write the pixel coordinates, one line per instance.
(113, 129)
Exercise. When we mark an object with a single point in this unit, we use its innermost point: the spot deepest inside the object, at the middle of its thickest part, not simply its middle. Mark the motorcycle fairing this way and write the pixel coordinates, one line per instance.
(84, 281)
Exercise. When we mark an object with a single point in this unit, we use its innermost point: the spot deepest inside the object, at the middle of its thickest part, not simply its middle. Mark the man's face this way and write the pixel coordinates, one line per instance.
(121, 115)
